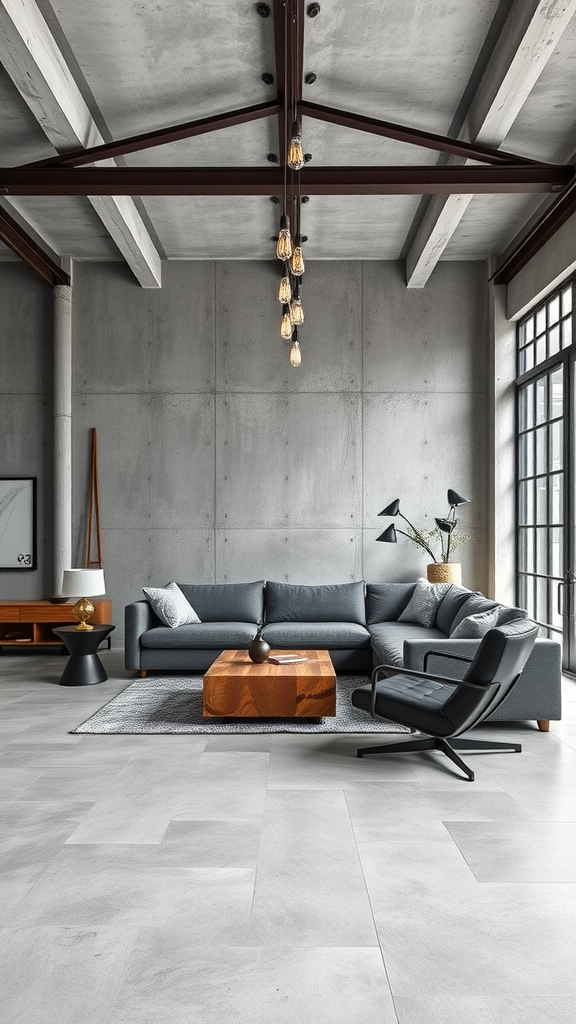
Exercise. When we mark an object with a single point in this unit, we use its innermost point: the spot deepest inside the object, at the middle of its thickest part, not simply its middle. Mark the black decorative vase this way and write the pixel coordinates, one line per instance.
(259, 649)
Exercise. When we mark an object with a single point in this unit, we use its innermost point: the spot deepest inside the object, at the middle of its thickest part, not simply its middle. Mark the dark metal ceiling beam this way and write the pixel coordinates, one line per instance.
(548, 224)
(289, 56)
(30, 252)
(161, 137)
(236, 181)
(412, 136)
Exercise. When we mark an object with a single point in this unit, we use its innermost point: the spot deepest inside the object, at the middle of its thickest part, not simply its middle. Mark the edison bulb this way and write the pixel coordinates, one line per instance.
(286, 325)
(295, 151)
(297, 309)
(284, 243)
(297, 264)
(295, 354)
(285, 289)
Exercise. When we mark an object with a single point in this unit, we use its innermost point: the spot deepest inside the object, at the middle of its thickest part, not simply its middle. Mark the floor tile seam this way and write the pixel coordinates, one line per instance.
(257, 865)
(372, 912)
(33, 884)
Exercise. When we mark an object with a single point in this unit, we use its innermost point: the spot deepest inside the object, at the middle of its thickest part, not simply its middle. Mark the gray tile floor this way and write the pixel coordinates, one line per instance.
(277, 879)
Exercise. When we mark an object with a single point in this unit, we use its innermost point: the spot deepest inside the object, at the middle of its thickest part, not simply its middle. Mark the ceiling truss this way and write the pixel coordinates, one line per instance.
(262, 181)
(500, 172)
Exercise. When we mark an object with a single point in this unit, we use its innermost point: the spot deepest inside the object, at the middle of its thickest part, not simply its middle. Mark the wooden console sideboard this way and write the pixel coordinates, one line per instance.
(30, 623)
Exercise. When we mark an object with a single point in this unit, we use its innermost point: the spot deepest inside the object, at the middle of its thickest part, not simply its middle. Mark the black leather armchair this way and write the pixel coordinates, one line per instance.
(444, 708)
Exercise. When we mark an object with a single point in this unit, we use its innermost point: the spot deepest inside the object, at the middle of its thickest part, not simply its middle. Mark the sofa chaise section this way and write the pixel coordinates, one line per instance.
(536, 697)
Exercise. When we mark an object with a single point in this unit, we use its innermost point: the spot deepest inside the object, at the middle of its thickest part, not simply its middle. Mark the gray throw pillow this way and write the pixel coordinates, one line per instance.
(475, 604)
(424, 603)
(450, 605)
(475, 626)
(170, 605)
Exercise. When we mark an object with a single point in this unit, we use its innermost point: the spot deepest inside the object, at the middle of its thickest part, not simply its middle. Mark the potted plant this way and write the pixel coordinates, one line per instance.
(440, 542)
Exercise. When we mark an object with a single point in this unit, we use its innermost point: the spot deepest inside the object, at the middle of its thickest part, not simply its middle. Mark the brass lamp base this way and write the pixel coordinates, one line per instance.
(83, 610)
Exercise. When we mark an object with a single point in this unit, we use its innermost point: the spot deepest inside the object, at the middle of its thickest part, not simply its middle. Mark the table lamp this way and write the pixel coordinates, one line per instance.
(83, 583)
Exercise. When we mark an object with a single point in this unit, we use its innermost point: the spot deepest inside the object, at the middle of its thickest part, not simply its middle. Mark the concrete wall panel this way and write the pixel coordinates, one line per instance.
(251, 355)
(26, 333)
(429, 339)
(135, 558)
(26, 450)
(218, 461)
(288, 460)
(156, 459)
(416, 446)
(547, 269)
(404, 561)
(289, 556)
(130, 339)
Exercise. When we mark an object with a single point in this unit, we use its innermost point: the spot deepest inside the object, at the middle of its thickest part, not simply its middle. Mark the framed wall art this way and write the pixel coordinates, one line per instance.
(18, 523)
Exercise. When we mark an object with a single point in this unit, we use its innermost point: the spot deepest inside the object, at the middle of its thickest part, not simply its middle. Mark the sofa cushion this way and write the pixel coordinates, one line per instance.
(387, 639)
(289, 602)
(386, 601)
(226, 602)
(201, 634)
(170, 605)
(476, 603)
(450, 604)
(424, 603)
(473, 627)
(509, 613)
(319, 635)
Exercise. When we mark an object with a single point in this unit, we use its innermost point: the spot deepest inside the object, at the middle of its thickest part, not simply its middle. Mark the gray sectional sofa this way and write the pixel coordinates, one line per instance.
(361, 625)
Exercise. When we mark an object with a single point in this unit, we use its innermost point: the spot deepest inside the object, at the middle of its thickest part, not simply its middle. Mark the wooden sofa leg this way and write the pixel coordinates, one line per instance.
(544, 725)
(143, 673)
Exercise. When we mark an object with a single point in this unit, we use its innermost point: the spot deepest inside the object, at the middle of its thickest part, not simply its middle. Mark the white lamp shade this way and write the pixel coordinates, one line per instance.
(83, 583)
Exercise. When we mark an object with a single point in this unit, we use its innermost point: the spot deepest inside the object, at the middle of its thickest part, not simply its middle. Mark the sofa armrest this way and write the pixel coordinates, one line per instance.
(537, 694)
(415, 652)
(138, 617)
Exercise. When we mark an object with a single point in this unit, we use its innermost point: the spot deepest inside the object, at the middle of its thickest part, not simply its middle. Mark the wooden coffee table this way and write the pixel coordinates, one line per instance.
(235, 687)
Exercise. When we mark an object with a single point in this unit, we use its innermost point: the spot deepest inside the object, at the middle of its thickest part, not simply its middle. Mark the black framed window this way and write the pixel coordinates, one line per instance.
(545, 466)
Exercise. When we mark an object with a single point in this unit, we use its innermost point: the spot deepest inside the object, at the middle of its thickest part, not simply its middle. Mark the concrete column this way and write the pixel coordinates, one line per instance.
(62, 433)
(502, 464)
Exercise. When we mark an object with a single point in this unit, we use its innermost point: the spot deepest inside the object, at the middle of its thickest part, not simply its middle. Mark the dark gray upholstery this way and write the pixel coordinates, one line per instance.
(537, 697)
(138, 617)
(226, 602)
(509, 614)
(443, 711)
(202, 634)
(396, 694)
(387, 639)
(353, 648)
(385, 602)
(342, 602)
(476, 603)
(450, 604)
(316, 634)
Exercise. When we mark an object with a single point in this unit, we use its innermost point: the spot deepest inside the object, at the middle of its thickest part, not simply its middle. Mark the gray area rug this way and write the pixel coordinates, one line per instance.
(173, 704)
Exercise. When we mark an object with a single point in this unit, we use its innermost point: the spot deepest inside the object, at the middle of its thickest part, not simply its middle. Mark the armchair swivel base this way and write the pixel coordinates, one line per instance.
(448, 748)
(441, 708)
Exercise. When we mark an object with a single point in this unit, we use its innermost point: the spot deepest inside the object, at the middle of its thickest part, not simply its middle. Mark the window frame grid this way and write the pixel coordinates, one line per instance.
(528, 533)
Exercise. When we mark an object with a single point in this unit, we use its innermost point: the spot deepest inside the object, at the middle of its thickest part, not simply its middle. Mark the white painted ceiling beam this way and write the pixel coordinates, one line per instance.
(37, 68)
(526, 43)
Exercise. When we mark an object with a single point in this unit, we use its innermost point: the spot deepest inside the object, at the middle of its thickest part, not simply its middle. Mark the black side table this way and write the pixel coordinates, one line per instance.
(84, 666)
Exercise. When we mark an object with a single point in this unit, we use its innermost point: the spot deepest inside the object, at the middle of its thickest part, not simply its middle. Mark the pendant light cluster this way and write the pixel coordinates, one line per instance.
(288, 248)
(290, 287)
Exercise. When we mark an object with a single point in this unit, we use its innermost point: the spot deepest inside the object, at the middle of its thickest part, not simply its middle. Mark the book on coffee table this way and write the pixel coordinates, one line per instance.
(285, 659)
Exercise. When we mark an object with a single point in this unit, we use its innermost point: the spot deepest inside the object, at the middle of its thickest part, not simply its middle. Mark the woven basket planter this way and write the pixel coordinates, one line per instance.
(444, 572)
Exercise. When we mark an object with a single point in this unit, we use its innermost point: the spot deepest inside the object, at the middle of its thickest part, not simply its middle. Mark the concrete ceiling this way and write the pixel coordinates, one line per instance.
(427, 64)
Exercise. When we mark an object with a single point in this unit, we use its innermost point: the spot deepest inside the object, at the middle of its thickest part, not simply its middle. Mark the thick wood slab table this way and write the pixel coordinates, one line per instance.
(234, 687)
